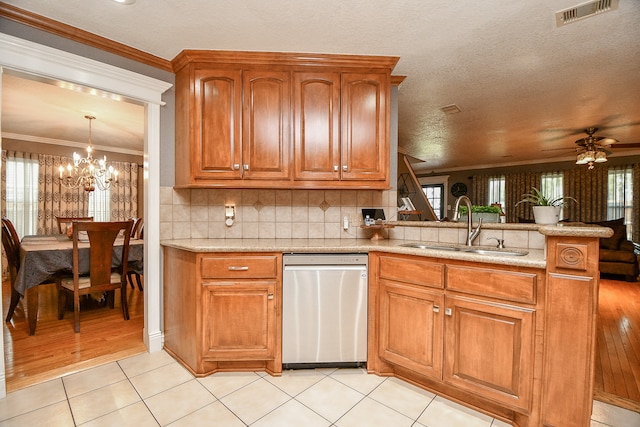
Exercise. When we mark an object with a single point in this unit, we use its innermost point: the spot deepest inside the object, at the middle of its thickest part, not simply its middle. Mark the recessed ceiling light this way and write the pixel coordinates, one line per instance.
(125, 1)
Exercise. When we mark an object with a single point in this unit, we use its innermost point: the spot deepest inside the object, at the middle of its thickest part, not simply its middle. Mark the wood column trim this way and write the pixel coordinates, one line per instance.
(570, 330)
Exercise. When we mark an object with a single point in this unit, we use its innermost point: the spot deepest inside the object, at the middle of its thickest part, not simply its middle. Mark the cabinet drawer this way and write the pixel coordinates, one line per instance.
(240, 267)
(412, 270)
(506, 285)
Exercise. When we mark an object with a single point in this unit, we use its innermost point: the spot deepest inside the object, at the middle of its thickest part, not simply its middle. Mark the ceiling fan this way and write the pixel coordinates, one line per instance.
(594, 149)
(595, 143)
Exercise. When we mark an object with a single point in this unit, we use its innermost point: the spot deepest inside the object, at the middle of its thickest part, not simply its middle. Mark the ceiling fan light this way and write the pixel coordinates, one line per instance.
(589, 156)
(581, 159)
(601, 157)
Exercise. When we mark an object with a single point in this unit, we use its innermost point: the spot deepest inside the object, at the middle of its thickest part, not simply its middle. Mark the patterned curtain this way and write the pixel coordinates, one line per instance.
(516, 185)
(54, 200)
(124, 196)
(589, 188)
(480, 189)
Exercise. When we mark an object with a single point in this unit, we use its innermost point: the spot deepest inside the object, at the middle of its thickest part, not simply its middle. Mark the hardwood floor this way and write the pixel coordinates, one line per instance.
(56, 350)
(617, 374)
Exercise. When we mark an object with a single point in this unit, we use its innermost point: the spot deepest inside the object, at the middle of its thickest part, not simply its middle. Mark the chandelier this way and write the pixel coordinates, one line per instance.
(592, 149)
(87, 172)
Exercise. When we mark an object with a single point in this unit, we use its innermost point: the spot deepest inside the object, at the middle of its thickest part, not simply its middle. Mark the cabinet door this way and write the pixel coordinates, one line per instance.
(316, 126)
(239, 320)
(364, 135)
(216, 145)
(489, 350)
(266, 124)
(411, 324)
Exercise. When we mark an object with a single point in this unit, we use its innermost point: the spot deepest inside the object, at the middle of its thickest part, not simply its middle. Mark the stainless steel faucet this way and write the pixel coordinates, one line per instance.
(471, 233)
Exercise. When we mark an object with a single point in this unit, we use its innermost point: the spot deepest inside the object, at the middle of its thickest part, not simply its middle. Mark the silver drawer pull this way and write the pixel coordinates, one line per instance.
(270, 296)
(238, 268)
(436, 309)
(448, 311)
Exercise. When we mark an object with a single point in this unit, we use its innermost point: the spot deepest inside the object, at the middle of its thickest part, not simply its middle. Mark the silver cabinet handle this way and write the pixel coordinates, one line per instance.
(345, 168)
(246, 167)
(238, 268)
(270, 296)
(448, 311)
(335, 168)
(236, 166)
(436, 309)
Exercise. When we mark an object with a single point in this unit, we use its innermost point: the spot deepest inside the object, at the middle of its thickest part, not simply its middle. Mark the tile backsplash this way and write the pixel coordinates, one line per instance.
(303, 214)
(283, 214)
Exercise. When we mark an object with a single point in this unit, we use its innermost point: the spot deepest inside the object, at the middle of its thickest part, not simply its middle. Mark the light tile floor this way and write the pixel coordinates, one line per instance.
(153, 389)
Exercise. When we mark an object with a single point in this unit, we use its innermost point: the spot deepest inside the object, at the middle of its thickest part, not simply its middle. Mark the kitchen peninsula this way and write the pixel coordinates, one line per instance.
(513, 336)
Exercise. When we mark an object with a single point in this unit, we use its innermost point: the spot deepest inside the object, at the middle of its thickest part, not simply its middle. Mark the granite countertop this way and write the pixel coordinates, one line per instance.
(577, 229)
(535, 258)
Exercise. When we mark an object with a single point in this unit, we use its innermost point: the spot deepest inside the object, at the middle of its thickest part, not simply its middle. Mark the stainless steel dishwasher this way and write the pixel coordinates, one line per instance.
(324, 310)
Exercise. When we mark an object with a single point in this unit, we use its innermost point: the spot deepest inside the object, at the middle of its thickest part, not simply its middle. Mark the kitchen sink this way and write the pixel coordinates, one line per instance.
(428, 246)
(469, 249)
(496, 251)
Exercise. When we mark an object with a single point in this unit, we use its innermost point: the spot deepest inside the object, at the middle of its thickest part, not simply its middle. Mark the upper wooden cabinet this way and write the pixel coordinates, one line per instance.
(265, 120)
(340, 127)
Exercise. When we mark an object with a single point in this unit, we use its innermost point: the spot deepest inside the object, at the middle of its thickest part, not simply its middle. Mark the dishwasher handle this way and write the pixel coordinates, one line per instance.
(324, 267)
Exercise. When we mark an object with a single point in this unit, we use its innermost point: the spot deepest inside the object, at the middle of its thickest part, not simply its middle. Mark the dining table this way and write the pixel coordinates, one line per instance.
(42, 257)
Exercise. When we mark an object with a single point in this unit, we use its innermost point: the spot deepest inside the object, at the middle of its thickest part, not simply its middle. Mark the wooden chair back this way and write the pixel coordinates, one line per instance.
(102, 239)
(64, 222)
(137, 221)
(11, 245)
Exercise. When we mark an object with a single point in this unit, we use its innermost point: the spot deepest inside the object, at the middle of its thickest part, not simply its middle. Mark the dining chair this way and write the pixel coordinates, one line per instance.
(133, 271)
(64, 222)
(102, 276)
(11, 245)
(137, 221)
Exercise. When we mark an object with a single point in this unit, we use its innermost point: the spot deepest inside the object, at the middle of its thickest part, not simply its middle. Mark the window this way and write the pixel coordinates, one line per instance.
(551, 185)
(620, 196)
(496, 191)
(22, 194)
(435, 195)
(100, 205)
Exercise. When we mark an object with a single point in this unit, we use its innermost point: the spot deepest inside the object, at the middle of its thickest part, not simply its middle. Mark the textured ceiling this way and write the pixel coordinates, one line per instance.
(526, 88)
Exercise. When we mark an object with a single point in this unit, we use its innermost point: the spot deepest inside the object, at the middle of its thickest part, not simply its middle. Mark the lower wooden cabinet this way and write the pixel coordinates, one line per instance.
(411, 327)
(489, 349)
(223, 311)
(239, 321)
(479, 345)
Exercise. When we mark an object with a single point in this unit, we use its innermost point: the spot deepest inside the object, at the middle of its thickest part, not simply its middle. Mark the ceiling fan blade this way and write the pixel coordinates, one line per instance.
(603, 140)
(628, 145)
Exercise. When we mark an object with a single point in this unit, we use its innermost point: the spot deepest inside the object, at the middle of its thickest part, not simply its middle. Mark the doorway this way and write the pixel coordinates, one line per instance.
(24, 56)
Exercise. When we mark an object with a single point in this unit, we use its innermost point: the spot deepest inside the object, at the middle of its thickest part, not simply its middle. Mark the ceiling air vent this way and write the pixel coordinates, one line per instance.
(450, 109)
(584, 10)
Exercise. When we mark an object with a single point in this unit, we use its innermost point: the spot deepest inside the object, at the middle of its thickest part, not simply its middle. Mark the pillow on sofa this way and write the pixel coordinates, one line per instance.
(619, 233)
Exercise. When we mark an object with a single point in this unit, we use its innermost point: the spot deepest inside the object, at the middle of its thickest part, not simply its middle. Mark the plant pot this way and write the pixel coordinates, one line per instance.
(486, 217)
(546, 215)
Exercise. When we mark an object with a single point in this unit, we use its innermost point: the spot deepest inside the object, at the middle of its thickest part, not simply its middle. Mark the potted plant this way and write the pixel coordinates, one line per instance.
(546, 210)
(487, 213)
